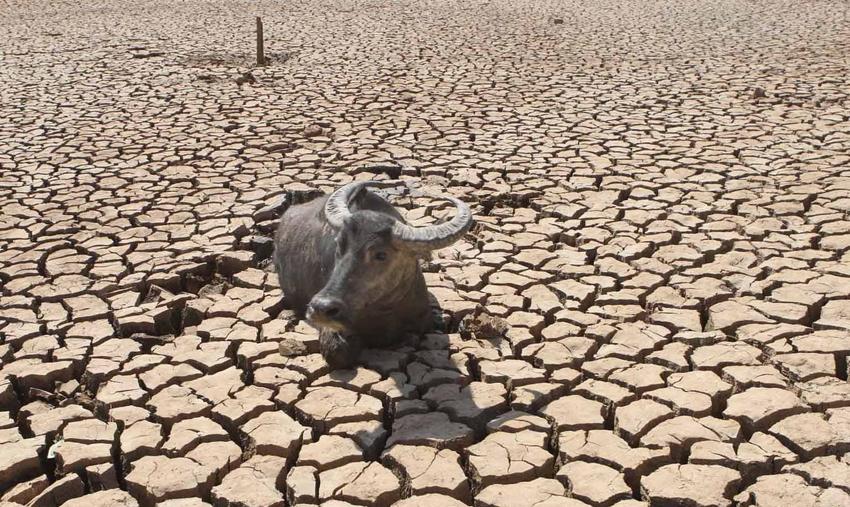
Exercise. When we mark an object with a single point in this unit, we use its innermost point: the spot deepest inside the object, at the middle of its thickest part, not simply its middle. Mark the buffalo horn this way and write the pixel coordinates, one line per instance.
(434, 237)
(336, 207)
(431, 237)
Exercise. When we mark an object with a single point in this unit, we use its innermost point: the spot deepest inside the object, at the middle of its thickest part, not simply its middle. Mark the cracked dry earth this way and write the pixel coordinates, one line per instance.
(653, 308)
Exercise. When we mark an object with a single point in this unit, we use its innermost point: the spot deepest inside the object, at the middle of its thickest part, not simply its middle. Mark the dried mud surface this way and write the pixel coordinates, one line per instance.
(653, 308)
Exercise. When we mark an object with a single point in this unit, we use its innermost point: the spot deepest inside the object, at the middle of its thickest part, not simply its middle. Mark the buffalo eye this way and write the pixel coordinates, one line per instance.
(380, 256)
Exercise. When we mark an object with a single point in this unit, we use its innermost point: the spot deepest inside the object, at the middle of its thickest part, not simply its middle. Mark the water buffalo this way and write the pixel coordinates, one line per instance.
(349, 263)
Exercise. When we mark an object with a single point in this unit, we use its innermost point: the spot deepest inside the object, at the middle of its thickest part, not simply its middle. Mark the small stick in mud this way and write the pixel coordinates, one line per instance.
(261, 53)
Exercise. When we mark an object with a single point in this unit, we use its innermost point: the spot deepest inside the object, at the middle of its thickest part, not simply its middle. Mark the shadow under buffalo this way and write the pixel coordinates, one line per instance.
(430, 390)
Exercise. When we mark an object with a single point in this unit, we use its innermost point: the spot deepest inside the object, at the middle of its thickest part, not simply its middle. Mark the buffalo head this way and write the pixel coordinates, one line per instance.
(376, 266)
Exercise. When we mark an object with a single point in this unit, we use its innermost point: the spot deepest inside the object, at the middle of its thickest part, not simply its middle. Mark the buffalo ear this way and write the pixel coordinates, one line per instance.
(418, 253)
(356, 200)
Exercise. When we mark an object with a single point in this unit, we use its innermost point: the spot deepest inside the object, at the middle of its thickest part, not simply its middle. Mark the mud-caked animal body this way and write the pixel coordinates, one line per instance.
(349, 263)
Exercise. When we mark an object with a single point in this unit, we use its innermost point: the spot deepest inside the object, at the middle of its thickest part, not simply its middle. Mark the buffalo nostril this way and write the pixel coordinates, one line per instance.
(328, 308)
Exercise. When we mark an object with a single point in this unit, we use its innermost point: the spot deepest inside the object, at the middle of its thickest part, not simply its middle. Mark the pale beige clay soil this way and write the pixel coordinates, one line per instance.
(657, 287)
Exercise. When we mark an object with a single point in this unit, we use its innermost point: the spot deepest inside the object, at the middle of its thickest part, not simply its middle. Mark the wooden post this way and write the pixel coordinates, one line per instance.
(261, 53)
